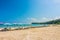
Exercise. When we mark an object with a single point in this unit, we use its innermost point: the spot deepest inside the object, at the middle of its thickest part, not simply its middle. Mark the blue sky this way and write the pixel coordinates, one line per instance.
(26, 11)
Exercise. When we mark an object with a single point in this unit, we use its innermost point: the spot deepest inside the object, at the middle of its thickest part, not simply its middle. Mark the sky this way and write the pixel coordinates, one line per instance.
(27, 11)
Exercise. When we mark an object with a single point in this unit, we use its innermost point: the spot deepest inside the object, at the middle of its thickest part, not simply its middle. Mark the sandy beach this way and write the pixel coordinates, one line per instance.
(43, 33)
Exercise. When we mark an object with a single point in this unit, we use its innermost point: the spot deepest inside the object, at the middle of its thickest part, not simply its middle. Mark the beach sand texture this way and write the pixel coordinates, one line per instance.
(43, 33)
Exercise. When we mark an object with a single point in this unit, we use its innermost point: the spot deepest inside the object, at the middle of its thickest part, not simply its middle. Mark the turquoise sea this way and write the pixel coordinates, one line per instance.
(22, 25)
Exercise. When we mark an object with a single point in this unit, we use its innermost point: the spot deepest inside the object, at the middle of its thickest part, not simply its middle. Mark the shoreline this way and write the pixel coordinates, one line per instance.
(44, 33)
(22, 28)
(19, 28)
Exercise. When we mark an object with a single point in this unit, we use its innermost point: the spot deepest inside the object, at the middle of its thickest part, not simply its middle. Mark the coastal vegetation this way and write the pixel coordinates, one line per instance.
(57, 21)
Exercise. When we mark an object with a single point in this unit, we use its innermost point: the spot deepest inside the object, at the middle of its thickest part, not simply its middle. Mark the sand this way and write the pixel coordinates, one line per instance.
(43, 33)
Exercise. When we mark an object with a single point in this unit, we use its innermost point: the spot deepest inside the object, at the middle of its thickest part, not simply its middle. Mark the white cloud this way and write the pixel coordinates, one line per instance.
(57, 18)
(32, 19)
(44, 19)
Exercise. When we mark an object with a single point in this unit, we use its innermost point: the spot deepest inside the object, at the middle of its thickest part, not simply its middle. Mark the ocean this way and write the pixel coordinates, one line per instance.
(22, 25)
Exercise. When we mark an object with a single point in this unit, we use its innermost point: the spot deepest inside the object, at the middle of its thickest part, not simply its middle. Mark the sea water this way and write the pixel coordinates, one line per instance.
(22, 25)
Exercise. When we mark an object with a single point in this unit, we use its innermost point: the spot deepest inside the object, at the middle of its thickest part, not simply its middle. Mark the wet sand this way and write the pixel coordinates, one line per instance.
(43, 33)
